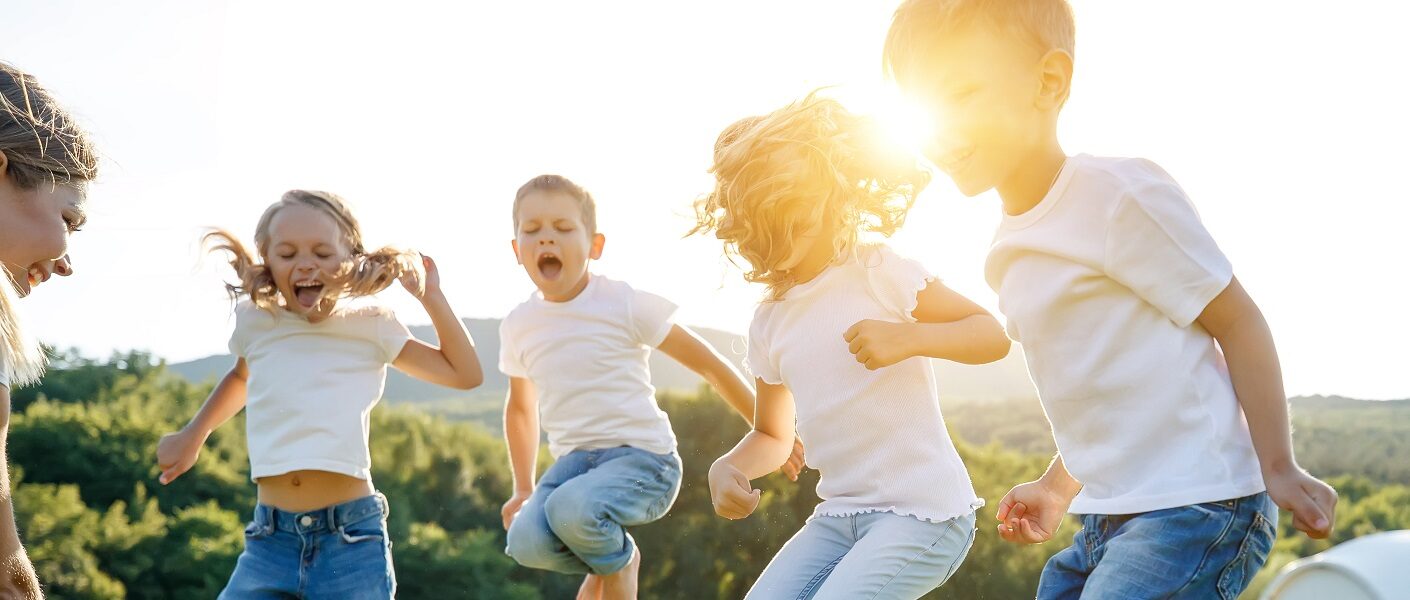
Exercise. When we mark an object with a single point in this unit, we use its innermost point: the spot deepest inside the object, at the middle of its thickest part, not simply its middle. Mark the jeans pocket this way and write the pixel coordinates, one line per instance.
(255, 530)
(1253, 552)
(371, 528)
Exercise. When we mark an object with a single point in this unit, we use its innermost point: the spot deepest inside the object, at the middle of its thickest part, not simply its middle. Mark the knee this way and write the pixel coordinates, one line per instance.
(530, 544)
(573, 517)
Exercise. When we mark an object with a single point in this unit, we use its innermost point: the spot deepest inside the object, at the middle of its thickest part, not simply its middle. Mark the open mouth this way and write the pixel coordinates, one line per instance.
(550, 266)
(308, 293)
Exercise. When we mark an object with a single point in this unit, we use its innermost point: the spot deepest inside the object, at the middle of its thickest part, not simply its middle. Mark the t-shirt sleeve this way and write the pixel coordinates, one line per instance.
(392, 335)
(509, 362)
(895, 281)
(758, 360)
(651, 317)
(240, 336)
(1158, 248)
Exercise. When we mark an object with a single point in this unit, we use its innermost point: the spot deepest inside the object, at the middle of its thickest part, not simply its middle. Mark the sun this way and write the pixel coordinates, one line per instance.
(904, 122)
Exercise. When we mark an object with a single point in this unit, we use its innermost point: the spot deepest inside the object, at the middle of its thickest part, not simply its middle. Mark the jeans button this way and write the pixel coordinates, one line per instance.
(306, 520)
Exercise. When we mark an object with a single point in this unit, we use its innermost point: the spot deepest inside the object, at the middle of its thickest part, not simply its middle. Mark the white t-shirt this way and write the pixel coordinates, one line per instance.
(587, 360)
(876, 437)
(312, 386)
(1102, 282)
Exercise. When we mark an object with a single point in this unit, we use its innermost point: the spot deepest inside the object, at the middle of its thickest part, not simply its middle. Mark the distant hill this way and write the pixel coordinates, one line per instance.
(1006, 379)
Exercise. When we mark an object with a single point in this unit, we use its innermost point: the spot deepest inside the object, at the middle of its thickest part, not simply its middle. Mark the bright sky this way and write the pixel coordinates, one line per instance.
(1284, 121)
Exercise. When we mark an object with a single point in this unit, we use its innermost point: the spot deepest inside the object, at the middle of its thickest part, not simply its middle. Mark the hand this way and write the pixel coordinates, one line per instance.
(424, 282)
(877, 344)
(1312, 503)
(511, 508)
(795, 463)
(1031, 513)
(730, 491)
(176, 453)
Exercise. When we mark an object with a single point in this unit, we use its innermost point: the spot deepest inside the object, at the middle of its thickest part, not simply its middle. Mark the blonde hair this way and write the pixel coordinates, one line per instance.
(919, 24)
(42, 144)
(559, 183)
(365, 273)
(809, 166)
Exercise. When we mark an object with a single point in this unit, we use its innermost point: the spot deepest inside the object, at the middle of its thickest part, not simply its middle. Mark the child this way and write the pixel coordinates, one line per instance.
(310, 372)
(841, 335)
(575, 353)
(1119, 295)
(46, 162)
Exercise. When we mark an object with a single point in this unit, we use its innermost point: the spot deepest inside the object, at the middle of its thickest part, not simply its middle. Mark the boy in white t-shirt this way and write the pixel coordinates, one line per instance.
(1127, 311)
(576, 356)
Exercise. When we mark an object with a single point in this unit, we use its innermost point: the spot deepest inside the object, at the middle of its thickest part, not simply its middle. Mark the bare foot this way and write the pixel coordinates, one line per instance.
(622, 584)
(591, 588)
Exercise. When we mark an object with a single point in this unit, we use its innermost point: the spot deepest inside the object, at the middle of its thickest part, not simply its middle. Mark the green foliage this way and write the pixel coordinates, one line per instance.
(98, 526)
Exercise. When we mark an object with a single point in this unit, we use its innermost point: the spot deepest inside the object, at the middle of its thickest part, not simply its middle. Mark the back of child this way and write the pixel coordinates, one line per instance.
(795, 190)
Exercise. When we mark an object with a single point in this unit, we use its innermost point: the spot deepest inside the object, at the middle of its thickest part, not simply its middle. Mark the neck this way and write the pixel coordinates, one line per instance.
(1032, 180)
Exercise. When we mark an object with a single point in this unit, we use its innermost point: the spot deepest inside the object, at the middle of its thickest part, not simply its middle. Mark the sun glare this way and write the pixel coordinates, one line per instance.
(904, 122)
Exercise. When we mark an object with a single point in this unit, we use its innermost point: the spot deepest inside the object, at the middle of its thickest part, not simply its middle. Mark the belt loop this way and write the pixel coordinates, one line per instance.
(332, 512)
(271, 523)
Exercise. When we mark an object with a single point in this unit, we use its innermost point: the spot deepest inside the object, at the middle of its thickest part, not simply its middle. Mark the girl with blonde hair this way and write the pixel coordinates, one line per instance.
(840, 344)
(308, 372)
(46, 162)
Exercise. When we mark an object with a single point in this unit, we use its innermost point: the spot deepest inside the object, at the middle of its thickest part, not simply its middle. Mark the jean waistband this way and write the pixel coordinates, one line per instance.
(329, 518)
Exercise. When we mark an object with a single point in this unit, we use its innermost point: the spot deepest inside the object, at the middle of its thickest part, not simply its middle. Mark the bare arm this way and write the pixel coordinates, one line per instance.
(452, 364)
(950, 327)
(763, 450)
(177, 452)
(521, 435)
(689, 350)
(1238, 325)
(17, 577)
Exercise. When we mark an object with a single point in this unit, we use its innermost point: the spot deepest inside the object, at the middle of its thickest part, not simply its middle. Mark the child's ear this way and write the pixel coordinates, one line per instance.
(1055, 79)
(515, 245)
(598, 241)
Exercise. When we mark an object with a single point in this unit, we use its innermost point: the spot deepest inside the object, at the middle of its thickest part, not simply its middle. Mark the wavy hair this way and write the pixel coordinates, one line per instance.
(811, 166)
(365, 273)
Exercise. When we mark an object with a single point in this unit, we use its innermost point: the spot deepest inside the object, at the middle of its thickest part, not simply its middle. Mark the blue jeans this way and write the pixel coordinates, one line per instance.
(1209, 550)
(871, 555)
(576, 519)
(341, 551)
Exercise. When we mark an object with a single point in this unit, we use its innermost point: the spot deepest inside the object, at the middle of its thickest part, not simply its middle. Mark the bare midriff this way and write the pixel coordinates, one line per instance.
(300, 491)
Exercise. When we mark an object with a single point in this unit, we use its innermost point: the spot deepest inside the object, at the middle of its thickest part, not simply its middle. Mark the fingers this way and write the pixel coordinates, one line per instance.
(737, 503)
(1309, 517)
(1018, 510)
(791, 469)
(852, 332)
(1005, 506)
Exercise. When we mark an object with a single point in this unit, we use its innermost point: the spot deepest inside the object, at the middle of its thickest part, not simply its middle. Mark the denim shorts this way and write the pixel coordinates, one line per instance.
(870, 555)
(1209, 550)
(576, 519)
(340, 551)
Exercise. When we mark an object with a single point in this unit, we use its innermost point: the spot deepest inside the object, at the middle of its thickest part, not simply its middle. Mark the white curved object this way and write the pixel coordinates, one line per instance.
(1373, 567)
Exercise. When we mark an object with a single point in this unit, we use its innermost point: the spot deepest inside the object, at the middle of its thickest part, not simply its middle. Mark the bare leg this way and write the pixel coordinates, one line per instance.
(622, 585)
(591, 588)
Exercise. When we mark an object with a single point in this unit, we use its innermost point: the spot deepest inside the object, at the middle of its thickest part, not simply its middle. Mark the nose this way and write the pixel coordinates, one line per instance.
(64, 266)
(545, 241)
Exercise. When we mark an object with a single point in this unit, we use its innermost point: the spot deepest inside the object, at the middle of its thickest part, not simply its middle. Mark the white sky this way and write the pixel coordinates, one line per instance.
(1285, 122)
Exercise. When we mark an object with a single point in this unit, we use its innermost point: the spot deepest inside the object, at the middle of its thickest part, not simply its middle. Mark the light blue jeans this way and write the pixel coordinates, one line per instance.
(1209, 550)
(341, 552)
(576, 519)
(871, 555)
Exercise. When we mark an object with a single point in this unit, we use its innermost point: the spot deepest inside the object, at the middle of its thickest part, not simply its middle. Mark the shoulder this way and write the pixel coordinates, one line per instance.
(1124, 174)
